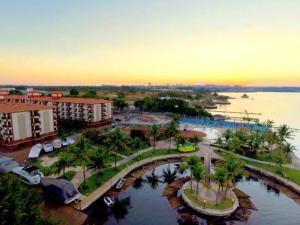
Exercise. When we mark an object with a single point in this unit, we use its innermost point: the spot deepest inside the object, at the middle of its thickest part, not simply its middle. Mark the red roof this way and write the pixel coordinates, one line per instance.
(191, 134)
(10, 108)
(62, 99)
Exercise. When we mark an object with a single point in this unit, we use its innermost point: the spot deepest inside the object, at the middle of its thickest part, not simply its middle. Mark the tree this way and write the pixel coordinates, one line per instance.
(289, 148)
(116, 141)
(97, 160)
(171, 132)
(90, 94)
(20, 205)
(198, 174)
(220, 177)
(153, 180)
(60, 165)
(120, 103)
(190, 163)
(79, 152)
(74, 92)
(137, 144)
(284, 132)
(269, 123)
(227, 136)
(279, 160)
(196, 139)
(139, 104)
(168, 175)
(234, 166)
(219, 142)
(154, 131)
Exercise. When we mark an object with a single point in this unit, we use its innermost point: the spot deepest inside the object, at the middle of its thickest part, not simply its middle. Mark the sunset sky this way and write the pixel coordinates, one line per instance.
(87, 42)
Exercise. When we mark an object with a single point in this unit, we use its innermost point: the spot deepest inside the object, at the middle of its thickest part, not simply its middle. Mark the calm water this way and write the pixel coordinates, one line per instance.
(283, 108)
(143, 204)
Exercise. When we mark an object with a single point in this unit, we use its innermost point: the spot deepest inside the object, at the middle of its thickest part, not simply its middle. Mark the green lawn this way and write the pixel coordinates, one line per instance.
(68, 175)
(191, 194)
(95, 181)
(65, 153)
(290, 174)
(45, 170)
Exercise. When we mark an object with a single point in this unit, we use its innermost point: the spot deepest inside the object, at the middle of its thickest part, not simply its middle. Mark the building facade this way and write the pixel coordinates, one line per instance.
(22, 123)
(90, 112)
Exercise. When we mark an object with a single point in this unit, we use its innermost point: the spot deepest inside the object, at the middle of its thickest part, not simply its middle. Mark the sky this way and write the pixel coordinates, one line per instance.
(72, 42)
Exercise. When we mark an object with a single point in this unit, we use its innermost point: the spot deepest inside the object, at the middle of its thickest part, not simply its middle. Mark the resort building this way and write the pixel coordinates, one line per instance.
(22, 123)
(91, 112)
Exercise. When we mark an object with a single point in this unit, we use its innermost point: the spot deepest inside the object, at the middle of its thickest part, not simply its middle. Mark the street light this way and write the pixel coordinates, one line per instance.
(204, 201)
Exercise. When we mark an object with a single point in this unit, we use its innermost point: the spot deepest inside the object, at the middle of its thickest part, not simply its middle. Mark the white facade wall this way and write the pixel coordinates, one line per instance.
(97, 113)
(21, 123)
(46, 119)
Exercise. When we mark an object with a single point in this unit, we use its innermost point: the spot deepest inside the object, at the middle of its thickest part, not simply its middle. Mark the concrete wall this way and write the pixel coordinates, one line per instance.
(97, 113)
(21, 122)
(46, 119)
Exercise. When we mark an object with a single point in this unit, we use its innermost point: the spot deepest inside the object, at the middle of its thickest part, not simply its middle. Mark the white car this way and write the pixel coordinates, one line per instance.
(35, 151)
(64, 142)
(70, 141)
(57, 144)
(28, 174)
(48, 147)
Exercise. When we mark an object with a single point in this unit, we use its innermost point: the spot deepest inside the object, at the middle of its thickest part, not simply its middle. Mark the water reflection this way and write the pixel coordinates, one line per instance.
(143, 204)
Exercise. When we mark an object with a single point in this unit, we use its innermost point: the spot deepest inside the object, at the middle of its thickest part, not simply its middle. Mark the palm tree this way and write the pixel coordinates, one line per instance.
(220, 177)
(171, 132)
(153, 180)
(137, 144)
(191, 162)
(269, 123)
(234, 166)
(97, 161)
(154, 132)
(219, 142)
(198, 174)
(116, 141)
(289, 148)
(168, 175)
(60, 165)
(284, 132)
(196, 139)
(227, 136)
(79, 152)
(138, 183)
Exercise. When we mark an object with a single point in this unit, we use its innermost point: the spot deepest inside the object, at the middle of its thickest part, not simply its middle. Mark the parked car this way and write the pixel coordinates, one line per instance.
(28, 174)
(48, 147)
(70, 141)
(64, 142)
(7, 164)
(35, 151)
(59, 190)
(57, 144)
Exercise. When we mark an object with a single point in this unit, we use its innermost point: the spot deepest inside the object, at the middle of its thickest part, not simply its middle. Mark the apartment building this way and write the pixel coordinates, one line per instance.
(23, 123)
(91, 112)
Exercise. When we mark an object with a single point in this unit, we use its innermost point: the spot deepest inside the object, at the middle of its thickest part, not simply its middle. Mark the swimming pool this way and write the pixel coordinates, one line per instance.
(223, 124)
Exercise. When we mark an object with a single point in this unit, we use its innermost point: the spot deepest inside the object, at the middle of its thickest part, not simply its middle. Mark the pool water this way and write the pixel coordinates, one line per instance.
(143, 204)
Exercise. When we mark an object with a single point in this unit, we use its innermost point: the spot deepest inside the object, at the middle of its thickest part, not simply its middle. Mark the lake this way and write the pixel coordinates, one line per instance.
(282, 108)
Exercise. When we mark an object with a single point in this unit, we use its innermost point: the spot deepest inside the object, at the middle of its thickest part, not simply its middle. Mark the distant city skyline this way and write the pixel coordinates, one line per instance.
(193, 42)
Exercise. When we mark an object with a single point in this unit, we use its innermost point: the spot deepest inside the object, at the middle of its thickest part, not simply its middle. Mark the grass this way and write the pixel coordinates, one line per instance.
(224, 204)
(96, 180)
(68, 175)
(45, 170)
(65, 153)
(289, 173)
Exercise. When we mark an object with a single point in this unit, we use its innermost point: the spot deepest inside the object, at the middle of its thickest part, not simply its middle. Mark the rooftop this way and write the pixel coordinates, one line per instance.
(62, 99)
(11, 108)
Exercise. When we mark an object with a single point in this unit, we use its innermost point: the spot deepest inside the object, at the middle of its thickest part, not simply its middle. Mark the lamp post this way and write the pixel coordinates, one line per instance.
(232, 201)
(204, 201)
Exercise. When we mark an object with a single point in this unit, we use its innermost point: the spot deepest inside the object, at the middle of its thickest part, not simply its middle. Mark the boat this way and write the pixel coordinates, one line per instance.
(108, 201)
(70, 140)
(57, 144)
(48, 147)
(64, 142)
(35, 151)
(121, 183)
(59, 190)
